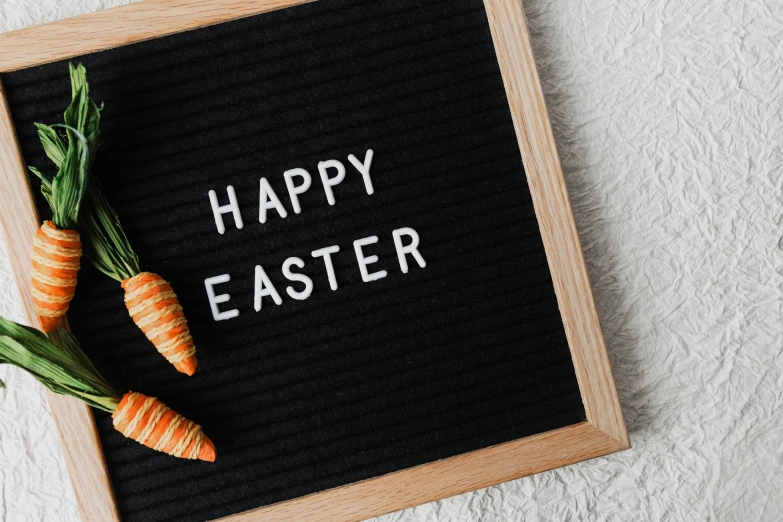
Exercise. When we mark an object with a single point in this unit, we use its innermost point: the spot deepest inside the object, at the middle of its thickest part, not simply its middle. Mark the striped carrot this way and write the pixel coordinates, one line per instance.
(150, 422)
(58, 362)
(154, 307)
(57, 246)
(151, 302)
(55, 265)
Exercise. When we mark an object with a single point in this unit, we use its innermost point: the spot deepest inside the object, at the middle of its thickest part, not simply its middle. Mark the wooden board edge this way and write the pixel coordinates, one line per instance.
(440, 479)
(556, 221)
(605, 430)
(81, 446)
(123, 25)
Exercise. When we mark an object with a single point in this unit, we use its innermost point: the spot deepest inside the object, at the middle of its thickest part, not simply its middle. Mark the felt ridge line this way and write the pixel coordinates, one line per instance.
(175, 392)
(239, 140)
(327, 64)
(243, 294)
(541, 336)
(191, 489)
(437, 255)
(280, 240)
(170, 172)
(359, 203)
(456, 442)
(543, 364)
(335, 441)
(365, 469)
(289, 382)
(504, 261)
(278, 351)
(127, 204)
(393, 196)
(367, 311)
(346, 412)
(437, 252)
(413, 78)
(402, 404)
(417, 435)
(280, 329)
(342, 48)
(236, 35)
(457, 115)
(455, 449)
(414, 332)
(389, 166)
(138, 483)
(260, 114)
(506, 211)
(543, 417)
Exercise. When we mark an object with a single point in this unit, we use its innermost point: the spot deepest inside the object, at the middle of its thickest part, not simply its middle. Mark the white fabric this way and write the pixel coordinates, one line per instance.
(669, 119)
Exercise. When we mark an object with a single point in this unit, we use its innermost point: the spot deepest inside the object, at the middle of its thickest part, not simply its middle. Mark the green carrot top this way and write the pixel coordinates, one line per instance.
(58, 362)
(104, 241)
(74, 150)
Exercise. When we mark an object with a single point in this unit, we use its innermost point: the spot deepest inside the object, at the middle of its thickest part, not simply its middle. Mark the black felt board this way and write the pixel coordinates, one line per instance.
(349, 384)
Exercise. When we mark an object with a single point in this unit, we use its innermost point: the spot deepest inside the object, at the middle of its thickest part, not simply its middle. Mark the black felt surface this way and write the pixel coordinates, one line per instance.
(374, 377)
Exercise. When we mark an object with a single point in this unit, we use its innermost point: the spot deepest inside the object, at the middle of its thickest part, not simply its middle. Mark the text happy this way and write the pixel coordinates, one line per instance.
(332, 172)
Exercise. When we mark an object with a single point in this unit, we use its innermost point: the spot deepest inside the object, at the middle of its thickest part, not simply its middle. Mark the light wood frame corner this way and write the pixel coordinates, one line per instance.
(603, 432)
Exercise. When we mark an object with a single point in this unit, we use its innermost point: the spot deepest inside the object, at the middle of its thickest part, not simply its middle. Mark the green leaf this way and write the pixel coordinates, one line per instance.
(46, 185)
(70, 183)
(57, 362)
(54, 146)
(72, 152)
(103, 239)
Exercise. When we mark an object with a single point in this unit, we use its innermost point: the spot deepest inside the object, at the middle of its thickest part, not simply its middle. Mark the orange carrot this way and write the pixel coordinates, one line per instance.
(152, 423)
(155, 309)
(55, 265)
(152, 303)
(58, 362)
(57, 247)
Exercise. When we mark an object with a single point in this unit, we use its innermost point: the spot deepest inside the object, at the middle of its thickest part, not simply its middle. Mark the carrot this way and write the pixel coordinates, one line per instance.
(55, 265)
(58, 362)
(57, 245)
(151, 302)
(150, 422)
(154, 307)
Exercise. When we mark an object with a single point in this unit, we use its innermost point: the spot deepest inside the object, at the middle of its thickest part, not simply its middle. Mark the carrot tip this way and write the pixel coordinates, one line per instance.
(48, 324)
(207, 452)
(188, 366)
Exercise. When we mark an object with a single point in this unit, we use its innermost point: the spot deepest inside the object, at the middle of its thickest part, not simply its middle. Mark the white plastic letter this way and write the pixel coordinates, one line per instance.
(331, 182)
(409, 249)
(215, 300)
(326, 253)
(268, 200)
(364, 169)
(293, 276)
(264, 287)
(364, 261)
(293, 190)
(232, 206)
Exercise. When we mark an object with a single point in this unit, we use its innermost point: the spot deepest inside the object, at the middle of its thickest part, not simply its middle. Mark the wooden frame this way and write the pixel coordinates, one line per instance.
(604, 431)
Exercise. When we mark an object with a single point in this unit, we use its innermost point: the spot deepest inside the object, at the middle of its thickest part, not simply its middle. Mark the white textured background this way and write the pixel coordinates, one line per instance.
(669, 119)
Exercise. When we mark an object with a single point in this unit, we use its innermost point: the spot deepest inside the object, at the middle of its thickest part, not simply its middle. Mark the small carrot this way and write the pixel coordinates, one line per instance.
(58, 362)
(55, 265)
(152, 423)
(154, 307)
(151, 302)
(57, 246)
